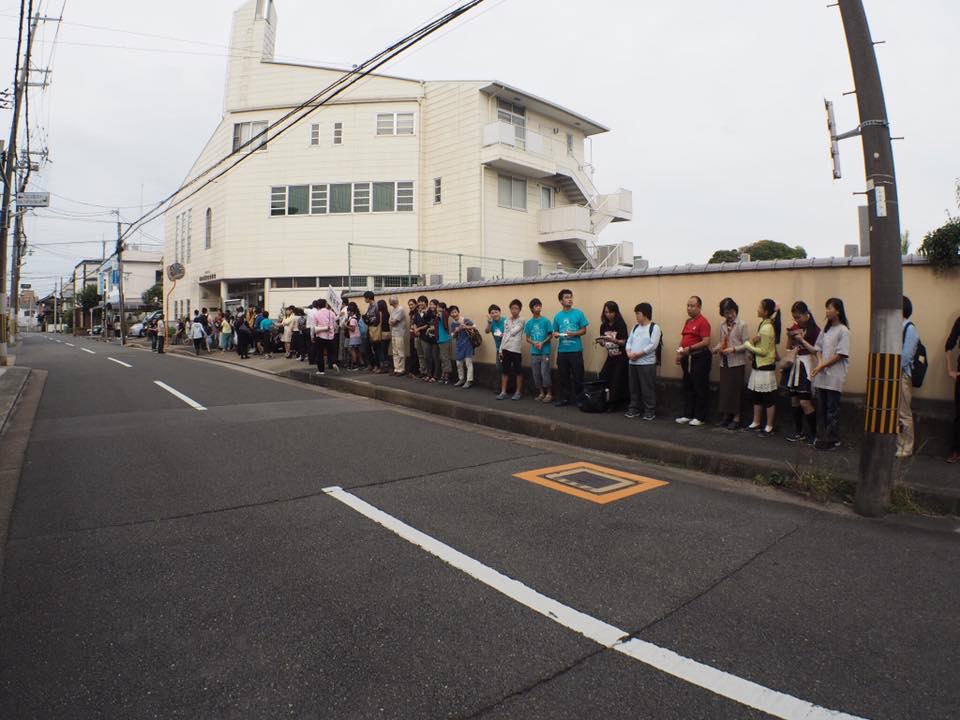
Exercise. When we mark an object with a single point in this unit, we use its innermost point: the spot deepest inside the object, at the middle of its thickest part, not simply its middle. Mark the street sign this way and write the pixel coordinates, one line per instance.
(33, 199)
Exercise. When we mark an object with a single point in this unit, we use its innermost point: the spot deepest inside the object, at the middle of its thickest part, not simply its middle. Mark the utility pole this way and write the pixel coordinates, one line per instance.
(123, 320)
(886, 273)
(20, 83)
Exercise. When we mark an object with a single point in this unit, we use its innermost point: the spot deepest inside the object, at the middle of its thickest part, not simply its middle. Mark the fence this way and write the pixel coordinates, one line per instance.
(390, 267)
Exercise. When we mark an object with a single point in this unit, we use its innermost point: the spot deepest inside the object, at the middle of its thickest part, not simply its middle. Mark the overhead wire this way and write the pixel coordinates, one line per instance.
(306, 108)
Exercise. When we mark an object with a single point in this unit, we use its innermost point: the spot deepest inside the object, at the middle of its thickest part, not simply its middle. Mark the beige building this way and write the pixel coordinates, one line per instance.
(392, 182)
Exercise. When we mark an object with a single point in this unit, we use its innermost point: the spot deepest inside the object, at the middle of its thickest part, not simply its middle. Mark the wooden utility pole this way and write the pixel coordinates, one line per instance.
(881, 424)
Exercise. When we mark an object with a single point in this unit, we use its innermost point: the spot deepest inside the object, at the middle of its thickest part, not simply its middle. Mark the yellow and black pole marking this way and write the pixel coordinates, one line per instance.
(883, 393)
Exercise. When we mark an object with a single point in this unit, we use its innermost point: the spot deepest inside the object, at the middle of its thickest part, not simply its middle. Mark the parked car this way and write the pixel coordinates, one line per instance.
(140, 329)
(96, 329)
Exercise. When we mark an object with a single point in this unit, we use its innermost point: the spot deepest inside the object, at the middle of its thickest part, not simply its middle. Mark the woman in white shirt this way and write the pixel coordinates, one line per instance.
(830, 374)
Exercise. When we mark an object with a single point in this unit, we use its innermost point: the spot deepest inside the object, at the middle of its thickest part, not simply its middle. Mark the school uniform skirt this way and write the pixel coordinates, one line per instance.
(763, 381)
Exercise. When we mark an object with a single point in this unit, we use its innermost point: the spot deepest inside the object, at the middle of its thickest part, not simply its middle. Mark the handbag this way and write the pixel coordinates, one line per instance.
(374, 332)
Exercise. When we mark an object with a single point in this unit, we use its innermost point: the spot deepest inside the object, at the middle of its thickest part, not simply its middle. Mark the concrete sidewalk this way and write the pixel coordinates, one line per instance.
(709, 449)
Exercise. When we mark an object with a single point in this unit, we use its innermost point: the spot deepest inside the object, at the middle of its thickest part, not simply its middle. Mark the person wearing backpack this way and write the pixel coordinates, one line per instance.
(643, 355)
(911, 343)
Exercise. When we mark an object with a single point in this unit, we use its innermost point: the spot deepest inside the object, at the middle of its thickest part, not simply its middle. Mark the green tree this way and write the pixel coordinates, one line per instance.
(153, 295)
(905, 242)
(773, 250)
(722, 256)
(942, 246)
(88, 297)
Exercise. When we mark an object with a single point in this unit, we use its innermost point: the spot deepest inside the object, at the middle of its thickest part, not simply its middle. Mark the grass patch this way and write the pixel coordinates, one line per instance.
(811, 484)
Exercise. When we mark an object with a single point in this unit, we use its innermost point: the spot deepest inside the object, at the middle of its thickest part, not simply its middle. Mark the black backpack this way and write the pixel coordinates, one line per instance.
(593, 399)
(918, 368)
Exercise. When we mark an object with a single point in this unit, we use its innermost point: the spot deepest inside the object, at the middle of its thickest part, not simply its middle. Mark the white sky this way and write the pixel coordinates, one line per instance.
(716, 109)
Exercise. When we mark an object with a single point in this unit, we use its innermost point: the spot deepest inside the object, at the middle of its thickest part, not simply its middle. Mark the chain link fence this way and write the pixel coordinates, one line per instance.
(379, 266)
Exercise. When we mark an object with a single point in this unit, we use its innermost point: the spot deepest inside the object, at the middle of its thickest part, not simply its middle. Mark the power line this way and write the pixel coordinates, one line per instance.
(306, 108)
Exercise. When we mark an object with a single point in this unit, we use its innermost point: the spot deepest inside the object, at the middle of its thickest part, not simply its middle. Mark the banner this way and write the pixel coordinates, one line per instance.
(333, 299)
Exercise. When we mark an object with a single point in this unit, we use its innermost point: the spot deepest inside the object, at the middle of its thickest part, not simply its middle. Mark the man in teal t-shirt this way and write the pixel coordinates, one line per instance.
(569, 325)
(539, 332)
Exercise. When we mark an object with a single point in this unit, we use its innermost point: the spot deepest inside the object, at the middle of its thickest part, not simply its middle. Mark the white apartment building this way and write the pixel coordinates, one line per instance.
(391, 182)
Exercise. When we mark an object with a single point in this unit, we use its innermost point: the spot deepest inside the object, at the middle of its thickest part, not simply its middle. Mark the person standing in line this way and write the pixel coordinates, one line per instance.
(953, 370)
(802, 341)
(300, 337)
(763, 377)
(495, 324)
(152, 334)
(641, 352)
(266, 334)
(462, 330)
(354, 339)
(411, 365)
(286, 336)
(443, 343)
(830, 374)
(733, 359)
(418, 328)
(911, 342)
(383, 345)
(511, 353)
(430, 341)
(693, 357)
(399, 336)
(538, 332)
(613, 338)
(569, 326)
(226, 332)
(161, 334)
(199, 336)
(325, 331)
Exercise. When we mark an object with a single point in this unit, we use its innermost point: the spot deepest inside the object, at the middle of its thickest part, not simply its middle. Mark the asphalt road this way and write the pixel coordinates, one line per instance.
(170, 562)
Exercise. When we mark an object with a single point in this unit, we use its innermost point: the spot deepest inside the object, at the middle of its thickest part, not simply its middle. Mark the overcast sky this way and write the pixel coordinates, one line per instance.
(716, 109)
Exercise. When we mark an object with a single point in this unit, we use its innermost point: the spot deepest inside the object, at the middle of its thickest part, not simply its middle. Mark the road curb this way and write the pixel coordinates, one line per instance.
(8, 411)
(674, 454)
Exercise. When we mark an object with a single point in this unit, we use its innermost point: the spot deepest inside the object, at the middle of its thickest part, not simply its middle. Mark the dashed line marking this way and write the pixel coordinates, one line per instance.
(716, 681)
(86, 350)
(119, 362)
(69, 344)
(176, 393)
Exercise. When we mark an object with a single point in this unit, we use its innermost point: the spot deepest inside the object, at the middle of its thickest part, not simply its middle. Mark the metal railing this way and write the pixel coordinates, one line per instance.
(382, 266)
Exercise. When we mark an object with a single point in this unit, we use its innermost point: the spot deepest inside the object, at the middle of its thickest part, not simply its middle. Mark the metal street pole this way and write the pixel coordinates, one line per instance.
(886, 273)
(20, 83)
(123, 333)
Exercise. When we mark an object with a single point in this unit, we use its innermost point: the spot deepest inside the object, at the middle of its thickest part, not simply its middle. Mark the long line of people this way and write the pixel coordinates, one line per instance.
(436, 343)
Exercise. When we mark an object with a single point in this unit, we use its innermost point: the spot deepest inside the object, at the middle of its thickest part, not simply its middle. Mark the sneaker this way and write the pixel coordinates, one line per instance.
(797, 437)
(954, 457)
(319, 372)
(631, 414)
(902, 454)
(651, 416)
(695, 423)
(563, 403)
(467, 385)
(501, 396)
(548, 398)
(539, 397)
(336, 367)
(517, 396)
(765, 433)
(733, 425)
(682, 420)
(751, 428)
(458, 383)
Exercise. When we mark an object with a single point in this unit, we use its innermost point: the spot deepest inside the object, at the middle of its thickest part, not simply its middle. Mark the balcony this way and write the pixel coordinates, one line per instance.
(565, 224)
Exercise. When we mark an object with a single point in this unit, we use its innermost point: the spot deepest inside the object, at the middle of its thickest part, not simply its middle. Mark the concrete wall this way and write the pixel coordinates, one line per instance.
(936, 302)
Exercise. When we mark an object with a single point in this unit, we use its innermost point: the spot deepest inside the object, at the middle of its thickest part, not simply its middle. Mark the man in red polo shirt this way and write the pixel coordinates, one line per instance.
(693, 356)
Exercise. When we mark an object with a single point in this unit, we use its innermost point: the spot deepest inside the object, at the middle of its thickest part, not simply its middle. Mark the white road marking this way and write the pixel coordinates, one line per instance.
(119, 362)
(716, 681)
(59, 341)
(86, 350)
(69, 344)
(189, 401)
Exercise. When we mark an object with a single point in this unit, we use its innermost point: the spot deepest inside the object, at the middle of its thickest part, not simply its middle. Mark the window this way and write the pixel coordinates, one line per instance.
(340, 198)
(361, 197)
(298, 200)
(511, 192)
(281, 283)
(383, 197)
(187, 313)
(404, 197)
(395, 124)
(184, 223)
(176, 242)
(547, 199)
(437, 194)
(570, 144)
(318, 199)
(315, 134)
(515, 115)
(304, 282)
(158, 276)
(278, 200)
(338, 133)
(207, 229)
(244, 131)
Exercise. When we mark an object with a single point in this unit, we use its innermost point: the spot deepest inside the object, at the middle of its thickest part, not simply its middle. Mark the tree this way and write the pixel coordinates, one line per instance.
(905, 242)
(942, 246)
(88, 297)
(153, 295)
(761, 250)
(722, 256)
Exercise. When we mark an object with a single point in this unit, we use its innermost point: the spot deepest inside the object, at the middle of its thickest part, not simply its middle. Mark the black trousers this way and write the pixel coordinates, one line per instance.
(243, 343)
(614, 374)
(828, 416)
(160, 341)
(325, 353)
(569, 375)
(956, 421)
(696, 384)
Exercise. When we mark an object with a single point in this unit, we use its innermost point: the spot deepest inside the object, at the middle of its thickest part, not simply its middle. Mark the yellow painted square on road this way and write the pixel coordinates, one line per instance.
(591, 482)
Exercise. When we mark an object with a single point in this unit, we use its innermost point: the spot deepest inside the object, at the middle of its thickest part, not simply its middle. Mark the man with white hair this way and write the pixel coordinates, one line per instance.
(399, 332)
